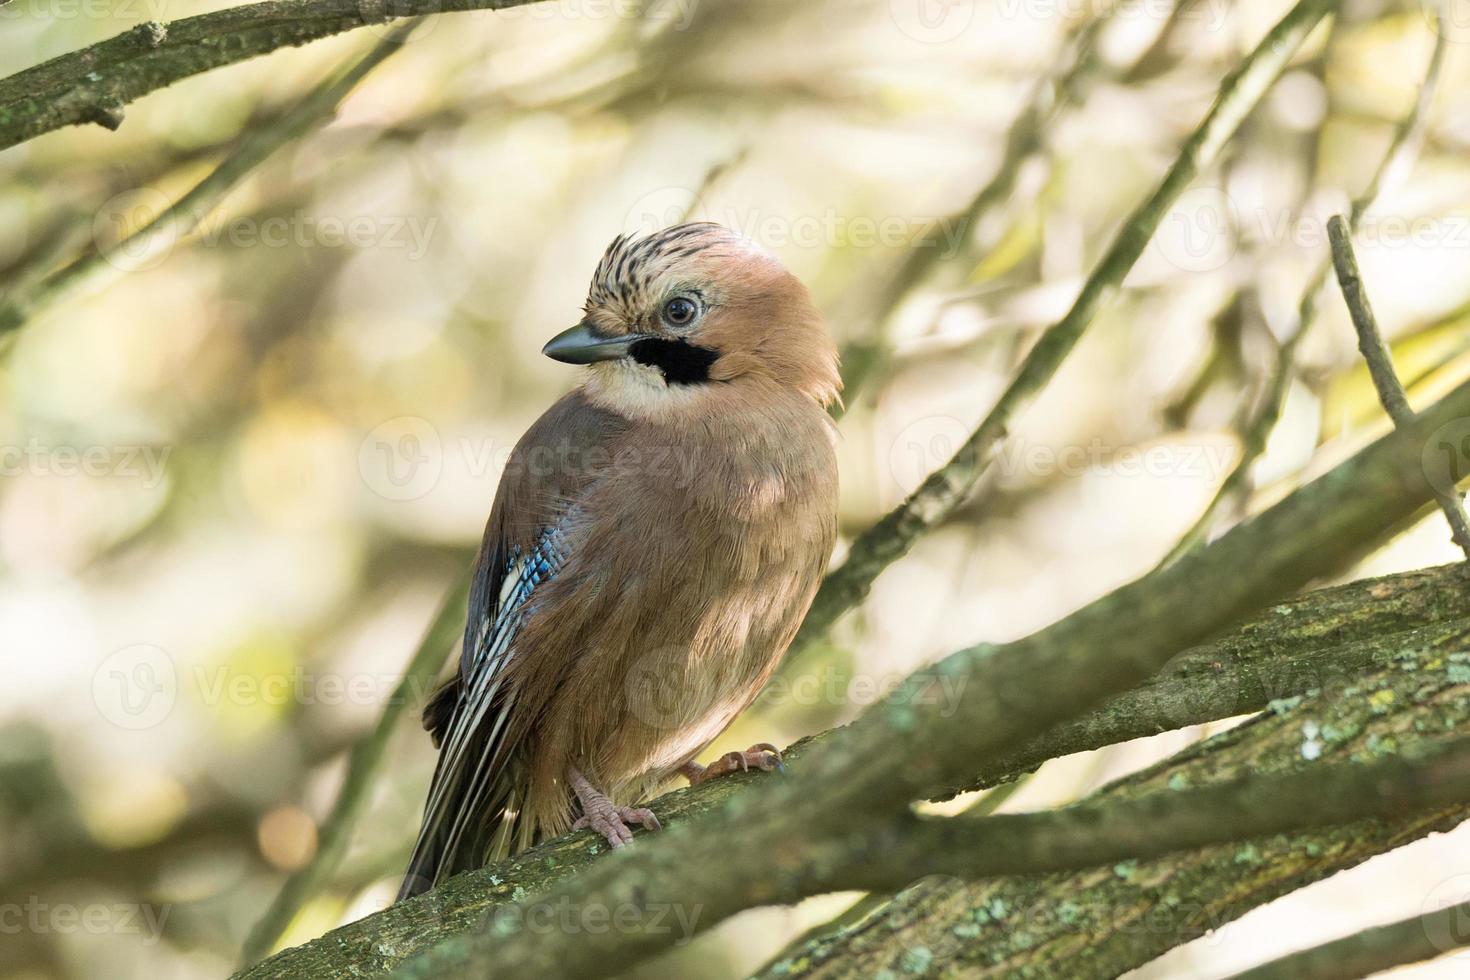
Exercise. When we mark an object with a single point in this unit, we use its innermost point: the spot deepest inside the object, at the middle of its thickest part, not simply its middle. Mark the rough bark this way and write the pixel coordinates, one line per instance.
(1101, 923)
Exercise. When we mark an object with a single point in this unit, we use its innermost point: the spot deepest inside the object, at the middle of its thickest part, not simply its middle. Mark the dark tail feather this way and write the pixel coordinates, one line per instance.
(487, 813)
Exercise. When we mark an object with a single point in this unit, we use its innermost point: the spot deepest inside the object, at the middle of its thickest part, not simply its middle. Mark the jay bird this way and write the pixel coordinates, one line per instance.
(655, 541)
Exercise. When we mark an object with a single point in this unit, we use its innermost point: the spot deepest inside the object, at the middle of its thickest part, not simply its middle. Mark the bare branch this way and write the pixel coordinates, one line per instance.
(1402, 149)
(1380, 363)
(94, 84)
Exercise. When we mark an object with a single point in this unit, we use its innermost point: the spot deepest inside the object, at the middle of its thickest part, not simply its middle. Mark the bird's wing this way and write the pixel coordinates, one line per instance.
(525, 545)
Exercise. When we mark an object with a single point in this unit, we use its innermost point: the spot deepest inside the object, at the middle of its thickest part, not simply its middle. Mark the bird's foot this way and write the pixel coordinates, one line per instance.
(761, 755)
(601, 814)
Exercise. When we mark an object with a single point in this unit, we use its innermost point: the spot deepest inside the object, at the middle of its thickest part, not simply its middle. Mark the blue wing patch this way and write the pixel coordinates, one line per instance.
(480, 714)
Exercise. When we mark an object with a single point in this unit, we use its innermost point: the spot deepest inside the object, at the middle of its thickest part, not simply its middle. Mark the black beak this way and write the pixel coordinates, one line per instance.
(580, 345)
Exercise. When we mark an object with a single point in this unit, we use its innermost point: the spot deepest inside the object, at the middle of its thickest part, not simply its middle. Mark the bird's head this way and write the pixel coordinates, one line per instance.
(690, 309)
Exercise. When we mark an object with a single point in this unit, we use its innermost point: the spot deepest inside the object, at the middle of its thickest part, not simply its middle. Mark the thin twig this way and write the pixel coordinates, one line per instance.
(1024, 138)
(1402, 149)
(947, 487)
(1380, 363)
(185, 214)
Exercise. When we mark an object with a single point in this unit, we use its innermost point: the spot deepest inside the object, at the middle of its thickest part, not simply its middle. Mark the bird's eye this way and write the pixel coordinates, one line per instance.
(680, 311)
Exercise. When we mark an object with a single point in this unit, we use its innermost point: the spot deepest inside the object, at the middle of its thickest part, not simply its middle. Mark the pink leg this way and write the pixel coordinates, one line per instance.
(761, 755)
(602, 815)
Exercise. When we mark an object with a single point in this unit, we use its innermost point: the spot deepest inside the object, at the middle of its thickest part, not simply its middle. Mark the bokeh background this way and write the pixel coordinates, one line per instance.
(246, 454)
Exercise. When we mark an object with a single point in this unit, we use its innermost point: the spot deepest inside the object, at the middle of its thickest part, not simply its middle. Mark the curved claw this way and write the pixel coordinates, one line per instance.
(761, 755)
(613, 823)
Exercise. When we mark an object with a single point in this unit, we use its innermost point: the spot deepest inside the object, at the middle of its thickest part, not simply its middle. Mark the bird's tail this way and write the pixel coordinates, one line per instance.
(473, 813)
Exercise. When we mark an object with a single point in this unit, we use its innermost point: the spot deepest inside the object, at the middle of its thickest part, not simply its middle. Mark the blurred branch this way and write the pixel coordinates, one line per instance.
(1372, 951)
(1322, 640)
(946, 488)
(1100, 924)
(1022, 140)
(93, 85)
(1380, 363)
(1398, 158)
(185, 214)
(362, 766)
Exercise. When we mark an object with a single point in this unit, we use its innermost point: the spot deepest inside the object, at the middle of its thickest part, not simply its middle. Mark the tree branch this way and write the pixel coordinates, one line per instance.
(1323, 640)
(1155, 824)
(1414, 940)
(94, 84)
(1380, 364)
(1403, 147)
(185, 214)
(947, 487)
(1099, 924)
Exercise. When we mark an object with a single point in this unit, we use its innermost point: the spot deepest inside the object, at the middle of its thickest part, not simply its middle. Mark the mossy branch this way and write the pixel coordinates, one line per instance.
(1099, 924)
(94, 85)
